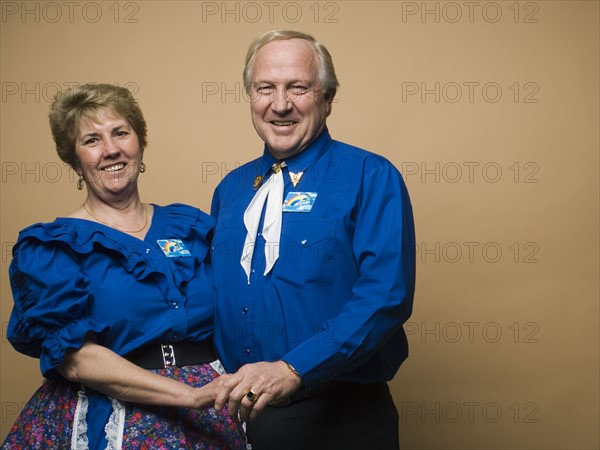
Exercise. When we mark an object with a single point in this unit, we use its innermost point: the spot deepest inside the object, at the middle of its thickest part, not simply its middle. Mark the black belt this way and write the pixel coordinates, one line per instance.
(177, 354)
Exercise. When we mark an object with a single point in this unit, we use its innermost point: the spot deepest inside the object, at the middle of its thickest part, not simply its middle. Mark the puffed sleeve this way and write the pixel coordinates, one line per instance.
(51, 310)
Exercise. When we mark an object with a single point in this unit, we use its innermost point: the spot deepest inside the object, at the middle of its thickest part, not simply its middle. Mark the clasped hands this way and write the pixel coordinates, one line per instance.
(253, 386)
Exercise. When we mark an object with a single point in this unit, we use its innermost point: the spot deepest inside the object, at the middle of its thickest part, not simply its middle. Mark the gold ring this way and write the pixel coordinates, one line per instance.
(252, 396)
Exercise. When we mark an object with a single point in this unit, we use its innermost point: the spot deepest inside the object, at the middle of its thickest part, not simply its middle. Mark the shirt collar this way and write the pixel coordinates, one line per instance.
(301, 161)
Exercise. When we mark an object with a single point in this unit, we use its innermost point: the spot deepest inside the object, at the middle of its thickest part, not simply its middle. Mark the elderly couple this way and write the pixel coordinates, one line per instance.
(274, 323)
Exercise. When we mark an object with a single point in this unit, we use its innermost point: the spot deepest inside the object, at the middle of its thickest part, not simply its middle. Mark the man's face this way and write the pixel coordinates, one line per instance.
(287, 105)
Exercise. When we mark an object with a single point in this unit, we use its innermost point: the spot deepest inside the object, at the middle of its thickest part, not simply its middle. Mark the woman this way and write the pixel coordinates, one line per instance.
(115, 300)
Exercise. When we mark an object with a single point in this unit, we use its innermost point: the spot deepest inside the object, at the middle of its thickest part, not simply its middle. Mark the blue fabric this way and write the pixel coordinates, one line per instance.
(73, 277)
(334, 304)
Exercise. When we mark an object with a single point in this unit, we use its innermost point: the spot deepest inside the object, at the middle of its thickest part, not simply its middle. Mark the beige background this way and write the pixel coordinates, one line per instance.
(490, 109)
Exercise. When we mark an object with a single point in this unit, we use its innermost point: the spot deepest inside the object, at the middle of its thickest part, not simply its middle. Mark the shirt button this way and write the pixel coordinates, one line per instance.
(244, 310)
(247, 351)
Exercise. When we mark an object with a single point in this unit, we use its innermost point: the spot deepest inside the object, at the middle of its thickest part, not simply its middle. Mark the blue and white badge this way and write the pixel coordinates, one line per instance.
(299, 201)
(173, 248)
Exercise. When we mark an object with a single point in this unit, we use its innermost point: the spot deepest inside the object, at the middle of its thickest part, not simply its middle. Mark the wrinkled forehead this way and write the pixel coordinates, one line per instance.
(291, 58)
(91, 118)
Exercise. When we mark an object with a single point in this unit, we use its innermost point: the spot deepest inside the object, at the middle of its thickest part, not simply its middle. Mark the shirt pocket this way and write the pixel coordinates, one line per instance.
(306, 253)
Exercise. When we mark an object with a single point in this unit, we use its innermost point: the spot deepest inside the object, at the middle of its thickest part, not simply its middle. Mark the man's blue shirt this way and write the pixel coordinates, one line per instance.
(335, 301)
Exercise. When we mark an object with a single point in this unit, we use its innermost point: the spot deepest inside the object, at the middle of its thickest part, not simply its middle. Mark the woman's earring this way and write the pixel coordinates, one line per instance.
(80, 183)
(142, 167)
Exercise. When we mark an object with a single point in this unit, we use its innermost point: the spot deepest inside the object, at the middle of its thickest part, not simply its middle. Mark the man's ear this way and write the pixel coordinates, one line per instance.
(329, 99)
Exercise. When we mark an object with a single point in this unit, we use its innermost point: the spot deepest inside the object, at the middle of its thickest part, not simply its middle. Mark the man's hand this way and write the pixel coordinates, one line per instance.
(267, 381)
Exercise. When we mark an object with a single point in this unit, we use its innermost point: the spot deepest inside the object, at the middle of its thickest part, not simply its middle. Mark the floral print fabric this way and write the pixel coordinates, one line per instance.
(46, 422)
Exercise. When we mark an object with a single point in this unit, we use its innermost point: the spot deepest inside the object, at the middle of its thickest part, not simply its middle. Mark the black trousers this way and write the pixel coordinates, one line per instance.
(346, 416)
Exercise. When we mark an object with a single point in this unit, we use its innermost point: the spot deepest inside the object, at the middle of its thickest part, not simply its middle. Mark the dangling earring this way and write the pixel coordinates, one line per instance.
(80, 183)
(142, 167)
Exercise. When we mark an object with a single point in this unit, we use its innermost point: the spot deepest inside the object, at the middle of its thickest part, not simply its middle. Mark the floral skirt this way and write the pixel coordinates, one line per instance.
(50, 417)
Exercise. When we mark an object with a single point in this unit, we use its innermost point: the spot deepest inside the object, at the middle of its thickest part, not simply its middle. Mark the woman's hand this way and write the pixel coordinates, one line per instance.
(207, 394)
(103, 370)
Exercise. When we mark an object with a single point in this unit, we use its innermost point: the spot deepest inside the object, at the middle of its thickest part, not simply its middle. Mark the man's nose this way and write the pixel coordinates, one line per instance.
(280, 103)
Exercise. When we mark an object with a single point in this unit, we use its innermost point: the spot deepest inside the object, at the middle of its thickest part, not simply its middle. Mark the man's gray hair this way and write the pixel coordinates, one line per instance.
(327, 78)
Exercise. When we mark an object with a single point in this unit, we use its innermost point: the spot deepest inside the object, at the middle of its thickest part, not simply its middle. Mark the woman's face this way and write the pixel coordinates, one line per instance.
(108, 152)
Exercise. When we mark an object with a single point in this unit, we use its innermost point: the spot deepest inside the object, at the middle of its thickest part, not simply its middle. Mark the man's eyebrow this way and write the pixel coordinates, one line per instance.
(287, 83)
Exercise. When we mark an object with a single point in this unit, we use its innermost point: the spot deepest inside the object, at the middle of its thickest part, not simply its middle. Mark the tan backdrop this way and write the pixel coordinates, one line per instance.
(491, 111)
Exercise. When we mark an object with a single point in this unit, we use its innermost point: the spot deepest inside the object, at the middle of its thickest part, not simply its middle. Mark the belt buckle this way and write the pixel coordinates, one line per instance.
(168, 354)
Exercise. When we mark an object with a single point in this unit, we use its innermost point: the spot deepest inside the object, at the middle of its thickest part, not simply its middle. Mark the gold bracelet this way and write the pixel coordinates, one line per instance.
(294, 371)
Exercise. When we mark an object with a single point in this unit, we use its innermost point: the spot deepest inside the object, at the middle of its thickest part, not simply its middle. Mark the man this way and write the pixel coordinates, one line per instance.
(311, 295)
